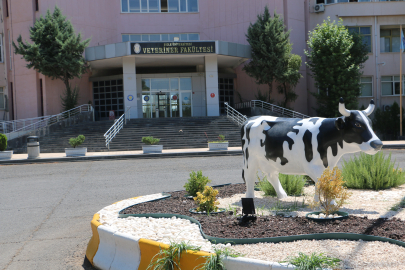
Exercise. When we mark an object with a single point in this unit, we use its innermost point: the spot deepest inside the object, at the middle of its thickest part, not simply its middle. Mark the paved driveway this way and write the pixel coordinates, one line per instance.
(45, 209)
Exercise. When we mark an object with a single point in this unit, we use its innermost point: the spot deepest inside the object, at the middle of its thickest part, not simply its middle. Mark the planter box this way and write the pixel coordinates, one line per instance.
(6, 154)
(218, 146)
(150, 149)
(76, 152)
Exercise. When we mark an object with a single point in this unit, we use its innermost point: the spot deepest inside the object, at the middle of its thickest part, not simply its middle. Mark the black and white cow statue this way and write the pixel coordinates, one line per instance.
(303, 146)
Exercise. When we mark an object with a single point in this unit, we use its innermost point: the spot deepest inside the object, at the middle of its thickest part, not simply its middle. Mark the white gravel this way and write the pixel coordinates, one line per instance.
(354, 254)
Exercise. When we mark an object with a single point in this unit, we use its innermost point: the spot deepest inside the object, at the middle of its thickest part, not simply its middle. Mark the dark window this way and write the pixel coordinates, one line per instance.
(6, 8)
(42, 97)
(36, 5)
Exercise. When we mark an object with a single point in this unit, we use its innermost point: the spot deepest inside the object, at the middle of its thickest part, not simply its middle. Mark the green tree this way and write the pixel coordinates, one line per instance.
(56, 51)
(335, 59)
(271, 55)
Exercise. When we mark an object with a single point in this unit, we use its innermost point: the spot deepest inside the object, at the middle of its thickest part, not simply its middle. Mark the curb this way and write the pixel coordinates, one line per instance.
(110, 249)
(129, 156)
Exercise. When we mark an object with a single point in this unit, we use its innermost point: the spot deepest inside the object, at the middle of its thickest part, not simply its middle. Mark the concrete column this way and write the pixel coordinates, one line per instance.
(211, 84)
(130, 98)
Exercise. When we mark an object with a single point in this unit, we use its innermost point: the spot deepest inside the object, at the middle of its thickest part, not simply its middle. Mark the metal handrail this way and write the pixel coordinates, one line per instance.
(116, 127)
(271, 107)
(17, 128)
(234, 115)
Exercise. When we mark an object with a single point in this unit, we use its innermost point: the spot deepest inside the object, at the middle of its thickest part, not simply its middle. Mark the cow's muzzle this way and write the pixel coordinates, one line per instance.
(377, 145)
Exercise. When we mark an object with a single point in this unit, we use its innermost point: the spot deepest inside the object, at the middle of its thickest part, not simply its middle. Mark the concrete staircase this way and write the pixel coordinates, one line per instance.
(175, 133)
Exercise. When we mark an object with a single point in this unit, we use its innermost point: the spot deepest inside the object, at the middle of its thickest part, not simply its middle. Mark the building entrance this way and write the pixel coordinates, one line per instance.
(163, 98)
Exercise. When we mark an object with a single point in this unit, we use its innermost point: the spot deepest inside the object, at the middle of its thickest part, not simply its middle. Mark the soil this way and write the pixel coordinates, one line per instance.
(227, 225)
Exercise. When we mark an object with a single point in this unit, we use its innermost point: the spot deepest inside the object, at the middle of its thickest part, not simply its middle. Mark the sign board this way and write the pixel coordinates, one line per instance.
(189, 47)
(111, 115)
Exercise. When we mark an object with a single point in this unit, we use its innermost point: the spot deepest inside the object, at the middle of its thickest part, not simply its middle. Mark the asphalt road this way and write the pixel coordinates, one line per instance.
(46, 209)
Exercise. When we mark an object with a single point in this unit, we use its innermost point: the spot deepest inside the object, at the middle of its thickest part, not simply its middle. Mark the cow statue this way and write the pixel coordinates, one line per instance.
(303, 146)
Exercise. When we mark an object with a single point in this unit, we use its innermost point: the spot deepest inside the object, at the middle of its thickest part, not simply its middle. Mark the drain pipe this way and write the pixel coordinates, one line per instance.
(376, 63)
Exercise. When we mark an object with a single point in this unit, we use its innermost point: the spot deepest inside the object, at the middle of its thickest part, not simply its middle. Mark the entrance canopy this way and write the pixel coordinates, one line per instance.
(164, 79)
(109, 56)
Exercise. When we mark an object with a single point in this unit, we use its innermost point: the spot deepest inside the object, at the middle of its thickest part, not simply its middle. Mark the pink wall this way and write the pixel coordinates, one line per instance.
(103, 22)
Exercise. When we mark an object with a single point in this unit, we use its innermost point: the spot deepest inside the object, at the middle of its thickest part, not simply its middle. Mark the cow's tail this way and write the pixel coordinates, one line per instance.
(244, 145)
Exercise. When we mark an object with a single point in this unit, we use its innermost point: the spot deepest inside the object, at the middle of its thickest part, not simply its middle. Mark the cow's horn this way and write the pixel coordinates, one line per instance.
(370, 108)
(342, 109)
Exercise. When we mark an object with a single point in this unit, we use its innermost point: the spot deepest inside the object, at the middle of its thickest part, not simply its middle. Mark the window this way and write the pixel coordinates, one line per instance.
(341, 1)
(2, 103)
(389, 40)
(1, 48)
(136, 6)
(366, 87)
(390, 85)
(6, 8)
(108, 96)
(160, 37)
(365, 33)
(10, 49)
(36, 5)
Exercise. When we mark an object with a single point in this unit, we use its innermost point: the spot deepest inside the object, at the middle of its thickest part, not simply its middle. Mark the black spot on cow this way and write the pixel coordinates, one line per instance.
(329, 136)
(243, 175)
(277, 135)
(248, 131)
(247, 157)
(307, 139)
(314, 120)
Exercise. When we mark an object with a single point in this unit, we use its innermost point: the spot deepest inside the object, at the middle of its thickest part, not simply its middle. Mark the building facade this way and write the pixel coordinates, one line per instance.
(184, 58)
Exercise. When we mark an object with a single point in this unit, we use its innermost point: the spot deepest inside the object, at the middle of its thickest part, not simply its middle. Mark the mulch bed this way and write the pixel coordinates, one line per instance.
(226, 225)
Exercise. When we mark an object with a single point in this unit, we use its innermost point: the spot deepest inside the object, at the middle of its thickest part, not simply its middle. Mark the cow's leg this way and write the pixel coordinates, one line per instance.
(273, 179)
(249, 174)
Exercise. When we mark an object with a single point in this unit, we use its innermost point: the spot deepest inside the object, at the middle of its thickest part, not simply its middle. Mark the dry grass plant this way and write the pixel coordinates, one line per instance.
(331, 191)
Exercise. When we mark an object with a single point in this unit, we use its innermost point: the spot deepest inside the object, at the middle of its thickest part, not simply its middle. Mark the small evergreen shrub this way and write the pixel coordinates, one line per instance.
(150, 140)
(372, 172)
(293, 185)
(76, 141)
(221, 139)
(313, 261)
(196, 183)
(215, 261)
(329, 189)
(207, 200)
(3, 142)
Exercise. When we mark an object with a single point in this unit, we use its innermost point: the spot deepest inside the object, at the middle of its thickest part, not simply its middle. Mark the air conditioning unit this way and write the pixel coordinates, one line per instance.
(319, 8)
(386, 108)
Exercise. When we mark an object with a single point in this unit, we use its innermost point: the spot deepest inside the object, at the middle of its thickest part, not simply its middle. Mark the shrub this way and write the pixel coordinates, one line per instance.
(221, 139)
(196, 183)
(207, 200)
(169, 259)
(313, 261)
(329, 189)
(372, 172)
(293, 185)
(3, 142)
(76, 141)
(150, 140)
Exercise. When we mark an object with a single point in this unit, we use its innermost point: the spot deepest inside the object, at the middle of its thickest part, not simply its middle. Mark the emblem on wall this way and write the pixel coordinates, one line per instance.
(130, 97)
(146, 98)
(137, 48)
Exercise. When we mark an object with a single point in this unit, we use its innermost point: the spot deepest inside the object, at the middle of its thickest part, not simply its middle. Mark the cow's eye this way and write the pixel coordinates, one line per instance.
(358, 125)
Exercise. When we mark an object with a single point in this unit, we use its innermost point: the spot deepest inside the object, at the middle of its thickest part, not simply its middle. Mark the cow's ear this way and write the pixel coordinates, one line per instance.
(340, 123)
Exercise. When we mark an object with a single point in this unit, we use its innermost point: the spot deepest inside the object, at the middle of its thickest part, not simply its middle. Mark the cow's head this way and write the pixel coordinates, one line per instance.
(356, 128)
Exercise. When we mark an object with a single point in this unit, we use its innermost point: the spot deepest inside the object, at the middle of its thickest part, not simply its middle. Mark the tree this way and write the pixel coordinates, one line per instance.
(55, 50)
(335, 59)
(271, 55)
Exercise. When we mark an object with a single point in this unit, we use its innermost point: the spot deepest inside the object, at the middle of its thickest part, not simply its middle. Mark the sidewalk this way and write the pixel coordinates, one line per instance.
(61, 157)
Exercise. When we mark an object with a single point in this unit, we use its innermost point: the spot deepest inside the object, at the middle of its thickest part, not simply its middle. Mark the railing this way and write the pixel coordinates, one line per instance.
(17, 128)
(118, 125)
(234, 115)
(271, 107)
